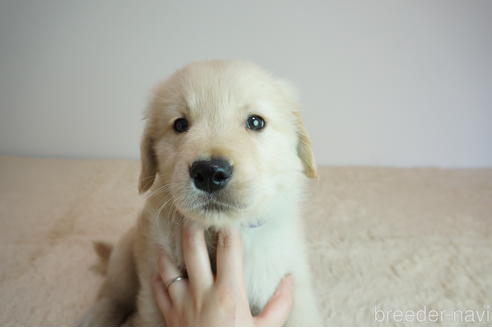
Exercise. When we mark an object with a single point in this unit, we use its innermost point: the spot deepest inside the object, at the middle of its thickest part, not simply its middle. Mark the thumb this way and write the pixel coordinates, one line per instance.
(278, 308)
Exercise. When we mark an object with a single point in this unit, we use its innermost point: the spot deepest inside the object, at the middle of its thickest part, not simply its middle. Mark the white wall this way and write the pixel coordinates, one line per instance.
(398, 83)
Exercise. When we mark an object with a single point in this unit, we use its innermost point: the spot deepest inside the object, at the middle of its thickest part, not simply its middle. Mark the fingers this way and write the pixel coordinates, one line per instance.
(278, 308)
(168, 271)
(162, 297)
(230, 257)
(196, 258)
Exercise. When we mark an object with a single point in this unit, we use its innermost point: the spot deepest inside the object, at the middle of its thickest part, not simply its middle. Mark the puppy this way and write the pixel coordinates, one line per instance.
(224, 144)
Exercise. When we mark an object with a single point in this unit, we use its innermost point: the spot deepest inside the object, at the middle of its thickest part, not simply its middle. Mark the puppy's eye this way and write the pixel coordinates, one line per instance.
(180, 125)
(255, 122)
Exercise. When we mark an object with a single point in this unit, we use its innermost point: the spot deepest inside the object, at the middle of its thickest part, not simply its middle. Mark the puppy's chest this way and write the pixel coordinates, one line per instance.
(264, 265)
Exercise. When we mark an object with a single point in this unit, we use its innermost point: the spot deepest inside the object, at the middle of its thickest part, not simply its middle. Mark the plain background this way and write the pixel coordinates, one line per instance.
(394, 83)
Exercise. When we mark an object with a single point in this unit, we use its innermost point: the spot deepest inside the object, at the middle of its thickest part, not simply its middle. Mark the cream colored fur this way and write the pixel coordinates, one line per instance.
(403, 238)
(270, 168)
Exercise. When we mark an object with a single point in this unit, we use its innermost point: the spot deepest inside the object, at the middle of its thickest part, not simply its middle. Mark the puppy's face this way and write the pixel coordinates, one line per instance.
(224, 138)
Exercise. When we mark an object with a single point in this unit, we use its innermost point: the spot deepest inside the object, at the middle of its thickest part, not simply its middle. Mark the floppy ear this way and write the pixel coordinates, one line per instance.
(304, 150)
(148, 163)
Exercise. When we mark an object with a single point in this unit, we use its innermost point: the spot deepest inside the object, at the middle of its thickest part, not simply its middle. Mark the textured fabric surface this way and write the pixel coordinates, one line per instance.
(380, 239)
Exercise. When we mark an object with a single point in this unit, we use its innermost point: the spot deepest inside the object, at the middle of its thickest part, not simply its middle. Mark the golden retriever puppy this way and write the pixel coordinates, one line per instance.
(223, 145)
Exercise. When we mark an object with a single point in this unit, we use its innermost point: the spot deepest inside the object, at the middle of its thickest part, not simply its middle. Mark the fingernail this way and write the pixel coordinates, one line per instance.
(189, 229)
(289, 280)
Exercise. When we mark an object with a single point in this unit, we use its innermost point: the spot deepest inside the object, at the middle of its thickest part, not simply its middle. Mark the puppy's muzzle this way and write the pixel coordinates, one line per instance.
(211, 175)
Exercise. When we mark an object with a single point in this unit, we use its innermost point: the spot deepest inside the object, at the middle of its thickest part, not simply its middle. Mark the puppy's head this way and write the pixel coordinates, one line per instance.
(224, 138)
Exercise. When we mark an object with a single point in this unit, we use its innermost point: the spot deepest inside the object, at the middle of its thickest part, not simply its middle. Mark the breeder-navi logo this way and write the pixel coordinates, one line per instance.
(425, 315)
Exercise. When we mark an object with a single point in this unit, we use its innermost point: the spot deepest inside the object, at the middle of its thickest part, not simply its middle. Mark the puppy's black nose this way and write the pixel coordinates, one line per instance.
(211, 175)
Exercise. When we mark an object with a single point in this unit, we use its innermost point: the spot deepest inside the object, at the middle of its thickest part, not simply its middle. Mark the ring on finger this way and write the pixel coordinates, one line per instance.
(178, 278)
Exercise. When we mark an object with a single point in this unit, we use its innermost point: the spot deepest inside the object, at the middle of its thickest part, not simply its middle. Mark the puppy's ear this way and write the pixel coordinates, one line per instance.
(148, 163)
(304, 150)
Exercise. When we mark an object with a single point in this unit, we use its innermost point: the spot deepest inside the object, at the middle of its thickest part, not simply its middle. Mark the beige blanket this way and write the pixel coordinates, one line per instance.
(380, 240)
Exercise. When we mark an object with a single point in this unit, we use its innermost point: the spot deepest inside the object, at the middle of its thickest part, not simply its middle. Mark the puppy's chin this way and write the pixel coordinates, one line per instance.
(213, 211)
(223, 208)
(213, 215)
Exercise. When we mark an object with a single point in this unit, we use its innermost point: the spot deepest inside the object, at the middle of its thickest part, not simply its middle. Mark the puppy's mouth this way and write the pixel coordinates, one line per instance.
(218, 205)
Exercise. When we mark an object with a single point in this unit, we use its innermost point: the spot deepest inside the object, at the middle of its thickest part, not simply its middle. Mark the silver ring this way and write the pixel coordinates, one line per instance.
(178, 278)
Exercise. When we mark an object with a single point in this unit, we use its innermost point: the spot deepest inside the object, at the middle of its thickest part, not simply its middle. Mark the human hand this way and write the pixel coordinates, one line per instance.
(205, 300)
